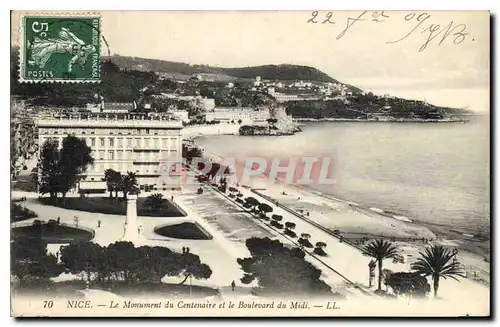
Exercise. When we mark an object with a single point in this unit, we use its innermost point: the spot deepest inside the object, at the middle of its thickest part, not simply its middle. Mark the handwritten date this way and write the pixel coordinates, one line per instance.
(419, 23)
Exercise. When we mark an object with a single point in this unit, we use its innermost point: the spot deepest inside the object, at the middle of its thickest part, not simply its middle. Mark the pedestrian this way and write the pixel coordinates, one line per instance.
(187, 249)
(172, 198)
(58, 220)
(183, 250)
(233, 285)
(98, 224)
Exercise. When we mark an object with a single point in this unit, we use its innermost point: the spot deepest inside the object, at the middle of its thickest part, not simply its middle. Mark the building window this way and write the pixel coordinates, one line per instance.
(92, 132)
(164, 143)
(119, 154)
(101, 154)
(111, 155)
(146, 142)
(102, 141)
(138, 142)
(156, 143)
(120, 142)
(111, 141)
(92, 141)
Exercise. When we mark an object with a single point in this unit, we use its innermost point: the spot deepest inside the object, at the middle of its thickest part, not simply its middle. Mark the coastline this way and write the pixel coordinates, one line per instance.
(383, 120)
(358, 224)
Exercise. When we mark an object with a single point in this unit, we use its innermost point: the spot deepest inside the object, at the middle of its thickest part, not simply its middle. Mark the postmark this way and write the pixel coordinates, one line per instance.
(60, 48)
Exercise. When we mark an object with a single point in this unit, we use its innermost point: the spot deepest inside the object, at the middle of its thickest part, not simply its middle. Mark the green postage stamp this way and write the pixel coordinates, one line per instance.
(60, 48)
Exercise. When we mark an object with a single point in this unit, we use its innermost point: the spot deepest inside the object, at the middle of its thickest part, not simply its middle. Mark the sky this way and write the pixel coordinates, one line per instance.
(451, 69)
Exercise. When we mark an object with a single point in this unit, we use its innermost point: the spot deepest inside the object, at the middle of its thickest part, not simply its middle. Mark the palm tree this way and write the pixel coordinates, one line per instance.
(437, 261)
(113, 180)
(380, 250)
(129, 184)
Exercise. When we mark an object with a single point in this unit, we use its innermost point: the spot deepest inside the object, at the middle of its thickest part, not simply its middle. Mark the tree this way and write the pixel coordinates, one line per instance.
(437, 262)
(304, 240)
(155, 202)
(265, 208)
(380, 250)
(129, 184)
(319, 249)
(29, 259)
(73, 161)
(289, 227)
(120, 257)
(151, 264)
(48, 168)
(113, 181)
(281, 270)
(252, 202)
(60, 170)
(276, 219)
(83, 257)
(408, 283)
(192, 266)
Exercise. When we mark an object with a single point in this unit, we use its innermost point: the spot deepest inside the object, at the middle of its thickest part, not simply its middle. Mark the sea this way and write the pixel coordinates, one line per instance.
(434, 174)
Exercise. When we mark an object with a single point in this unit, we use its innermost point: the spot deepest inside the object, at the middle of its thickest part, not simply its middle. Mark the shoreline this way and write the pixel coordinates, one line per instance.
(356, 222)
(384, 120)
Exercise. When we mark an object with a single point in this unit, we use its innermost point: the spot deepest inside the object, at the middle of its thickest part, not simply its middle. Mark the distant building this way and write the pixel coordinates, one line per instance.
(245, 114)
(208, 104)
(281, 97)
(182, 115)
(111, 107)
(257, 81)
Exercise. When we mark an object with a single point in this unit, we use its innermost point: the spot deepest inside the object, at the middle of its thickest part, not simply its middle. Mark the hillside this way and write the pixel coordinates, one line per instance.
(284, 72)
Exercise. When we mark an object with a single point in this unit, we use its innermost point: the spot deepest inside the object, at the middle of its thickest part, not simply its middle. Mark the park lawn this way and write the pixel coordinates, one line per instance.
(123, 288)
(112, 206)
(53, 233)
(120, 288)
(186, 231)
(20, 213)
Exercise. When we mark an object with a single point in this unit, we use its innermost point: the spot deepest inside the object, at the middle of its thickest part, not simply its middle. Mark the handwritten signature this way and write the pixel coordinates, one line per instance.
(420, 22)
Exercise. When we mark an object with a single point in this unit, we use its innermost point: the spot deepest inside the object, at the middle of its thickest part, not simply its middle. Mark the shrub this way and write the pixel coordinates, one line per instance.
(289, 232)
(37, 222)
(319, 251)
(52, 222)
(304, 242)
(199, 191)
(276, 224)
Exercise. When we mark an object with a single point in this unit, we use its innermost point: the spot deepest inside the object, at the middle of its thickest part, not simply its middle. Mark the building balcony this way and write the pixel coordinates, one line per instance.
(146, 150)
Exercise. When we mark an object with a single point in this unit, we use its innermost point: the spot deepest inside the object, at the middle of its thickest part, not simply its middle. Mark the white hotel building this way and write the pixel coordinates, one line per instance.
(149, 147)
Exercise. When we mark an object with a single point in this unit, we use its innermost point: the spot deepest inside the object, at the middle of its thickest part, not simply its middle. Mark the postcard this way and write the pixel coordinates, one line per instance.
(250, 164)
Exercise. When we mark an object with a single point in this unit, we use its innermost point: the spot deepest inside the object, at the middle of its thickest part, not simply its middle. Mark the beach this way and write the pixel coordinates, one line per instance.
(360, 223)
